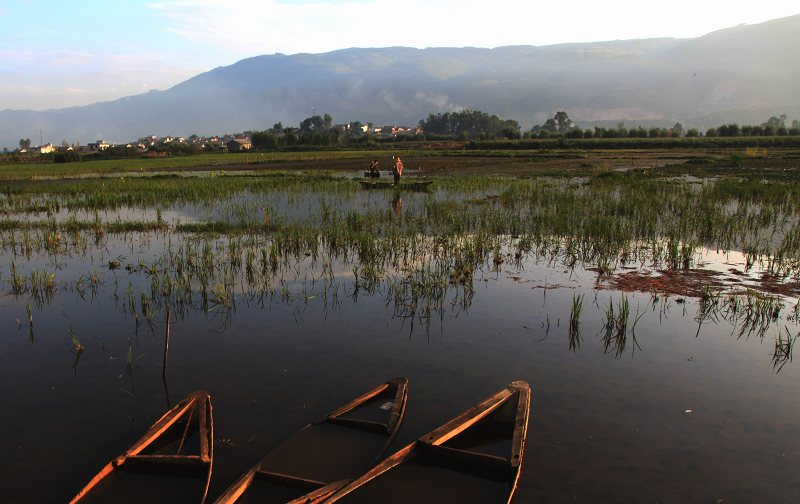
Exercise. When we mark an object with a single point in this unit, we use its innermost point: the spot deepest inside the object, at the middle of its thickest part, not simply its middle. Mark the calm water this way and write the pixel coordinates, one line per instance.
(671, 415)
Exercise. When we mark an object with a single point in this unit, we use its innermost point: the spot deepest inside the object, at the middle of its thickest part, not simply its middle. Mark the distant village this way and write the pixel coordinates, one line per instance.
(238, 142)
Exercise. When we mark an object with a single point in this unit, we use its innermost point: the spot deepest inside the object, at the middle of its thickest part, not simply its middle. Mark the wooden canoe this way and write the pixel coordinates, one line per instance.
(157, 458)
(406, 185)
(476, 458)
(323, 456)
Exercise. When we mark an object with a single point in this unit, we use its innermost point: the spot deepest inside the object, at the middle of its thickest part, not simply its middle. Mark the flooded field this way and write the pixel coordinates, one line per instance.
(655, 316)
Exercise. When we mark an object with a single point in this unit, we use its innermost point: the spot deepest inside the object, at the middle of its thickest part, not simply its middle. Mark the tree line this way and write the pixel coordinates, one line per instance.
(560, 125)
(471, 125)
(466, 125)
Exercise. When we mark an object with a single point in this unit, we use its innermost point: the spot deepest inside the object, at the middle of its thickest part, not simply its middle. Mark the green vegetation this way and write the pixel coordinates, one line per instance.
(470, 124)
(219, 239)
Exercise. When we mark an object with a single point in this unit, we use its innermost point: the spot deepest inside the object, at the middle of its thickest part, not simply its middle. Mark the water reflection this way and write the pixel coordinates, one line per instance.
(212, 276)
(784, 348)
(397, 204)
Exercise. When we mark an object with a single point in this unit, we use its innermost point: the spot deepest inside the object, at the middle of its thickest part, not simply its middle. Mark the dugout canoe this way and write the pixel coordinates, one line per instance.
(323, 456)
(476, 458)
(172, 462)
(405, 185)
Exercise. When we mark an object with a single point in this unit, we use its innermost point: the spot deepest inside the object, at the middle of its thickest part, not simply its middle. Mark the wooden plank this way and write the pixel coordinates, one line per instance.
(186, 427)
(168, 459)
(160, 427)
(467, 419)
(206, 429)
(398, 408)
(320, 495)
(166, 463)
(405, 454)
(520, 433)
(358, 401)
(521, 423)
(236, 490)
(105, 471)
(295, 481)
(364, 425)
(484, 460)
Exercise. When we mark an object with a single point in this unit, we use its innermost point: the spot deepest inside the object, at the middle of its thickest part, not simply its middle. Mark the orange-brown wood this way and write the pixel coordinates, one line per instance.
(320, 495)
(434, 441)
(198, 400)
(467, 419)
(520, 432)
(235, 491)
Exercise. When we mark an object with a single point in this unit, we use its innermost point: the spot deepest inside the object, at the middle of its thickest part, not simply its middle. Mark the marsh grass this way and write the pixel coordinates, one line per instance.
(278, 235)
(575, 321)
(76, 344)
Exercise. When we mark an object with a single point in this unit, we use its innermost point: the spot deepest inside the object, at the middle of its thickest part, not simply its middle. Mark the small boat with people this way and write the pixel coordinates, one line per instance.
(414, 184)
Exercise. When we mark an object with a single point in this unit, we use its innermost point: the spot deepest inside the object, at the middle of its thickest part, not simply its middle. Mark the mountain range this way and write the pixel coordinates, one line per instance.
(744, 74)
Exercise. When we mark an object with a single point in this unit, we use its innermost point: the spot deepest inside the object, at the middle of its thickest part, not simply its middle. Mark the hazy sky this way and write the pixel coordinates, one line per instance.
(57, 53)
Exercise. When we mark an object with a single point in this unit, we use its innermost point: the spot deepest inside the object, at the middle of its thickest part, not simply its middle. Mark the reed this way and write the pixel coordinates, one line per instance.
(784, 349)
(575, 322)
(76, 345)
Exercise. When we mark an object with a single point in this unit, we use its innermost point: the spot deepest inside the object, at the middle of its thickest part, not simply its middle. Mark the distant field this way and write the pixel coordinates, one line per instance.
(207, 161)
(471, 160)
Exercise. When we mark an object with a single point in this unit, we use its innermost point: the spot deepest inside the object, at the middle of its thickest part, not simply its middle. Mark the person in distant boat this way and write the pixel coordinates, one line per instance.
(373, 169)
(397, 171)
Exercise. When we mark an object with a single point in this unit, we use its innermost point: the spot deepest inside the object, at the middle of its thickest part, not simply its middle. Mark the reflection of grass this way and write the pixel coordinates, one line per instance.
(784, 348)
(617, 319)
(753, 312)
(76, 345)
(575, 321)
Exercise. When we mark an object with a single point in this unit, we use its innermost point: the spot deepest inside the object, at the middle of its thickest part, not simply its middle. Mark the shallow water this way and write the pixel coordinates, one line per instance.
(663, 412)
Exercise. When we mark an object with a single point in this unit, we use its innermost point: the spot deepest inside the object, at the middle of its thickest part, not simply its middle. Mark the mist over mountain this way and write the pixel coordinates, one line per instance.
(743, 74)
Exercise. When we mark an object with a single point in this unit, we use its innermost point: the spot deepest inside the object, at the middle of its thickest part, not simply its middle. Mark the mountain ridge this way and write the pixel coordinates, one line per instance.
(741, 72)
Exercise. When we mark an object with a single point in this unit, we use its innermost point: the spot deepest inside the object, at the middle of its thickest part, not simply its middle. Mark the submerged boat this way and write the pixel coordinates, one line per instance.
(407, 185)
(323, 456)
(171, 463)
(476, 458)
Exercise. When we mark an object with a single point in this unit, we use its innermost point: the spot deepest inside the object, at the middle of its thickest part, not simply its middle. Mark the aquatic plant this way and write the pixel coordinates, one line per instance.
(76, 345)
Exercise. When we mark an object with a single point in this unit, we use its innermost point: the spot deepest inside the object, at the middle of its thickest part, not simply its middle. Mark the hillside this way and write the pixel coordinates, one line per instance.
(746, 73)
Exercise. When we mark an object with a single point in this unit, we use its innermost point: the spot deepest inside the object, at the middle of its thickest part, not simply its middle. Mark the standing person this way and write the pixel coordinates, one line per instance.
(398, 170)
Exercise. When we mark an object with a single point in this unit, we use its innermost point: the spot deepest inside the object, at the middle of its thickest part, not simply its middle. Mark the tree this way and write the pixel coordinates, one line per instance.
(355, 128)
(775, 122)
(550, 125)
(692, 133)
(729, 130)
(264, 140)
(313, 124)
(24, 143)
(469, 124)
(677, 130)
(563, 122)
